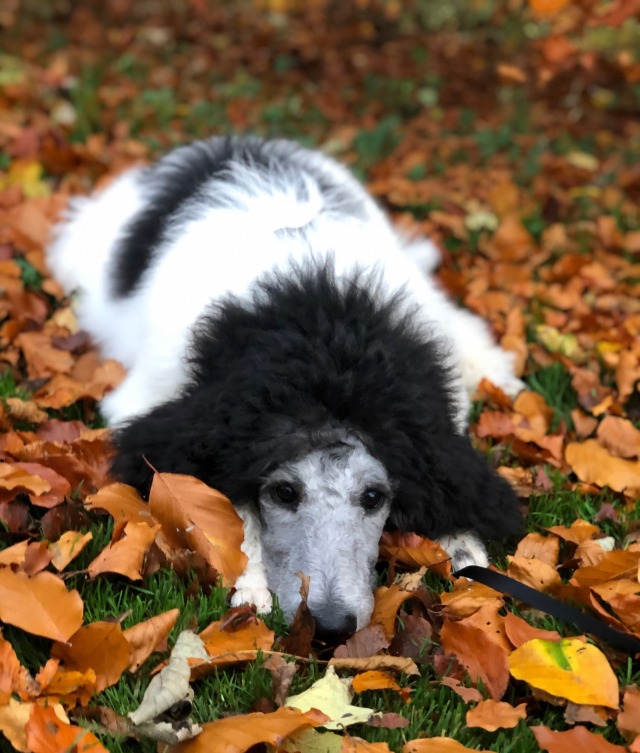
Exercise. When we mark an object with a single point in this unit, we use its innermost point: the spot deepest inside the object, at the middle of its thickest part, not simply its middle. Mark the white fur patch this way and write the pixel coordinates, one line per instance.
(464, 548)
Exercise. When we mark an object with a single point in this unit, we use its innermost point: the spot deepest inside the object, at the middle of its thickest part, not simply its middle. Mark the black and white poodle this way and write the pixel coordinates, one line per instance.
(285, 345)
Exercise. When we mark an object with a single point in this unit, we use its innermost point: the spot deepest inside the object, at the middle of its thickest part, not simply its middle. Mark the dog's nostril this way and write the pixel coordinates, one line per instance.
(335, 626)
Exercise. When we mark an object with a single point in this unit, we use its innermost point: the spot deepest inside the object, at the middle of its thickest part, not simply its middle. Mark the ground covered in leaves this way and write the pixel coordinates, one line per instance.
(509, 133)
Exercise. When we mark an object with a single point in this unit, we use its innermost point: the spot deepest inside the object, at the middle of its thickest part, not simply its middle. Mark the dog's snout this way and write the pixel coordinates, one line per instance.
(333, 623)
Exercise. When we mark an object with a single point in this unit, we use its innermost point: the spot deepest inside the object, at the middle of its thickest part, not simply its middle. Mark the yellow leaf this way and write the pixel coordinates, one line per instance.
(568, 669)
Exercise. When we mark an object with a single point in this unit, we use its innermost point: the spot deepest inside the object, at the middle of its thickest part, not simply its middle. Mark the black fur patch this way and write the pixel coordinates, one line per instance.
(307, 360)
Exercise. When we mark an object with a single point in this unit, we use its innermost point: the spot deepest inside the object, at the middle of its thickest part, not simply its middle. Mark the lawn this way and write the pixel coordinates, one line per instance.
(506, 131)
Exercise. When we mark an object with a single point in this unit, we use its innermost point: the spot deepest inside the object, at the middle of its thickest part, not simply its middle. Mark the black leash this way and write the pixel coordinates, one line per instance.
(585, 622)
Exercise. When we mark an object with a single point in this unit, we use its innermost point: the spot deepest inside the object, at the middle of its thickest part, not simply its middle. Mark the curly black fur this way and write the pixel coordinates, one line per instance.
(307, 359)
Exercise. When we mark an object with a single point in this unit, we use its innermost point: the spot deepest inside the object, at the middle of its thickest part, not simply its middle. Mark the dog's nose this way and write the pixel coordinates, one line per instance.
(333, 624)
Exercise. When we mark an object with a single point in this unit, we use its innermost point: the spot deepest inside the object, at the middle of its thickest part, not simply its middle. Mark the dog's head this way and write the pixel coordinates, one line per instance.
(322, 516)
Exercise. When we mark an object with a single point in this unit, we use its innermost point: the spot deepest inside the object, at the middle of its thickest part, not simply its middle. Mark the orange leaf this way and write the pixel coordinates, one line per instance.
(40, 605)
(628, 720)
(519, 631)
(194, 516)
(493, 715)
(539, 547)
(415, 551)
(576, 739)
(236, 644)
(533, 573)
(437, 745)
(236, 734)
(593, 464)
(68, 547)
(388, 601)
(468, 597)
(122, 502)
(481, 648)
(616, 564)
(46, 733)
(619, 436)
(358, 745)
(149, 636)
(374, 663)
(580, 531)
(100, 647)
(126, 556)
(374, 680)
(14, 677)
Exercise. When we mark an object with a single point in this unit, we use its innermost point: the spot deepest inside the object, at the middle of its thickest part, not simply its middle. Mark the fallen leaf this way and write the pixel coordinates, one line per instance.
(568, 669)
(100, 647)
(374, 680)
(149, 636)
(593, 464)
(126, 556)
(197, 517)
(382, 662)
(387, 602)
(577, 739)
(628, 720)
(47, 733)
(493, 715)
(619, 436)
(437, 745)
(40, 605)
(68, 547)
(519, 631)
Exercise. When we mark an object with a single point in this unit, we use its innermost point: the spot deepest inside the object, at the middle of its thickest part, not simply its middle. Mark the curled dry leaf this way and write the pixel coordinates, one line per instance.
(282, 674)
(127, 555)
(101, 647)
(122, 502)
(197, 517)
(414, 551)
(579, 531)
(493, 715)
(518, 631)
(236, 734)
(149, 636)
(368, 641)
(568, 669)
(374, 680)
(358, 745)
(469, 695)
(170, 689)
(594, 464)
(539, 547)
(68, 547)
(382, 662)
(387, 602)
(14, 678)
(628, 720)
(468, 597)
(436, 745)
(40, 605)
(576, 739)
(231, 644)
(619, 436)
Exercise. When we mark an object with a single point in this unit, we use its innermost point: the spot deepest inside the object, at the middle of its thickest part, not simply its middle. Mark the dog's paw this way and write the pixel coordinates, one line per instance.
(464, 548)
(247, 593)
(494, 363)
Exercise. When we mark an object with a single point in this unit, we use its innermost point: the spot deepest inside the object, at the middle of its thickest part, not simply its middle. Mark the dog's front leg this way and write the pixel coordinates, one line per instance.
(251, 586)
(464, 548)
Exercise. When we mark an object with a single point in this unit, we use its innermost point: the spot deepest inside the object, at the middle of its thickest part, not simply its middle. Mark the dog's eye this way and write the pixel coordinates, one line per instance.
(286, 494)
(371, 499)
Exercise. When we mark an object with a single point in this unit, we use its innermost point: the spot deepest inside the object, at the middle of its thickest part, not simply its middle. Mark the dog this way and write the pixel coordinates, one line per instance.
(285, 345)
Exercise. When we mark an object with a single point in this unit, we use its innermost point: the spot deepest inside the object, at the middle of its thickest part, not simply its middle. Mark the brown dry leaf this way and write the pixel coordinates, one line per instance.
(14, 678)
(282, 674)
(14, 555)
(579, 714)
(122, 502)
(414, 551)
(227, 643)
(628, 721)
(387, 602)
(236, 734)
(15, 479)
(580, 531)
(367, 641)
(437, 745)
(68, 547)
(539, 547)
(518, 631)
(149, 636)
(534, 573)
(358, 745)
(126, 556)
(372, 663)
(101, 647)
(25, 410)
(13, 721)
(468, 597)
(47, 733)
(577, 739)
(197, 517)
(40, 605)
(593, 464)
(617, 564)
(493, 715)
(481, 652)
(468, 695)
(619, 436)
(42, 357)
(71, 686)
(374, 680)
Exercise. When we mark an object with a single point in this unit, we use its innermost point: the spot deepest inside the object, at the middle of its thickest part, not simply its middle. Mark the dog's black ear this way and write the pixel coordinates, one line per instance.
(170, 438)
(451, 487)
